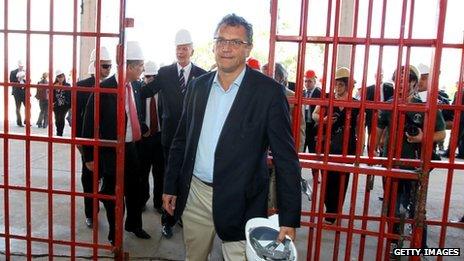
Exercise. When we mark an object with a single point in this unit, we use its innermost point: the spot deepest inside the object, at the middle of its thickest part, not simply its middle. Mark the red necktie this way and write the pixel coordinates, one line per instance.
(153, 116)
(136, 132)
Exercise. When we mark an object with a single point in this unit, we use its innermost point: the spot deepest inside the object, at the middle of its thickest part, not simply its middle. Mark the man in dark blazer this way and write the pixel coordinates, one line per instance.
(19, 93)
(151, 150)
(231, 118)
(82, 98)
(310, 92)
(108, 131)
(386, 93)
(171, 84)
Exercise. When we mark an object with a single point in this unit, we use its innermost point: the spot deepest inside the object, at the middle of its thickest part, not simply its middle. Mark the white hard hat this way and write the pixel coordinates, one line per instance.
(91, 69)
(261, 235)
(134, 51)
(20, 63)
(342, 72)
(151, 68)
(104, 54)
(423, 69)
(58, 72)
(183, 37)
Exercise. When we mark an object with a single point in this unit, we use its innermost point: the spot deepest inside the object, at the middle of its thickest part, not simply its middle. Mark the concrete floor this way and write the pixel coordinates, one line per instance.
(158, 248)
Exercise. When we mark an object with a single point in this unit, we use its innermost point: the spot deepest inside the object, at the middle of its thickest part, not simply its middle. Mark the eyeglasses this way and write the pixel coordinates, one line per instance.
(105, 66)
(234, 43)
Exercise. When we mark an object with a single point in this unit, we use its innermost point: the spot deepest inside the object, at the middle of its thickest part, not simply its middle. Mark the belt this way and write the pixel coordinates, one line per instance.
(209, 184)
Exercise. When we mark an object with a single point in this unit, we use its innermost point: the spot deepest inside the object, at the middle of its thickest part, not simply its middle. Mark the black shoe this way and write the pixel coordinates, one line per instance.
(180, 223)
(460, 156)
(166, 231)
(381, 198)
(140, 233)
(89, 222)
(20, 125)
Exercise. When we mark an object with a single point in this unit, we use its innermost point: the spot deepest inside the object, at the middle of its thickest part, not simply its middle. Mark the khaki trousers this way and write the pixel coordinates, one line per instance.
(199, 229)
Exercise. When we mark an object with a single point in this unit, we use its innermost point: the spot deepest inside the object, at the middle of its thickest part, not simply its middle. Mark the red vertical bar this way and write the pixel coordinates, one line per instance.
(50, 144)
(392, 127)
(6, 199)
(452, 148)
(299, 72)
(28, 133)
(272, 37)
(121, 130)
(431, 105)
(73, 136)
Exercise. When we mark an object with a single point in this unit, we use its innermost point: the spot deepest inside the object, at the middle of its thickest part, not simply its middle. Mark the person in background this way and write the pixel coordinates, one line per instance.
(82, 98)
(61, 101)
(337, 142)
(171, 83)
(311, 91)
(152, 159)
(42, 96)
(108, 131)
(18, 76)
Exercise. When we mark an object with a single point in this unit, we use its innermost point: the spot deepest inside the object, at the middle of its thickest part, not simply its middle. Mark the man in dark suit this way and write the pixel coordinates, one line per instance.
(82, 98)
(151, 149)
(231, 118)
(171, 83)
(108, 131)
(310, 92)
(386, 93)
(18, 93)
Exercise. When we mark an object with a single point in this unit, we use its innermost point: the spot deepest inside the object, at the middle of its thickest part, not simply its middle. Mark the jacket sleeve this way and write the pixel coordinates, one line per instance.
(177, 151)
(288, 172)
(150, 89)
(87, 128)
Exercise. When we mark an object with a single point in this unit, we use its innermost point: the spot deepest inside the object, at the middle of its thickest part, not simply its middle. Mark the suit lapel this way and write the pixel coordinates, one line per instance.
(192, 74)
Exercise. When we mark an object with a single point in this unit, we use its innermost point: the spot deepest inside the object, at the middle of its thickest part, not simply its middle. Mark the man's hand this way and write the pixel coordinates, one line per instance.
(146, 134)
(415, 139)
(89, 165)
(169, 203)
(286, 231)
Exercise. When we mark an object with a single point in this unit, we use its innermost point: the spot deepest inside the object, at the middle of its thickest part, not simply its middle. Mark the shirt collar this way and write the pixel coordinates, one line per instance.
(186, 68)
(237, 82)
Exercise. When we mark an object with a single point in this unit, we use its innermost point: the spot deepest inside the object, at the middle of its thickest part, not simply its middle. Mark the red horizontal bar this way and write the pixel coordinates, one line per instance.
(58, 242)
(57, 192)
(41, 32)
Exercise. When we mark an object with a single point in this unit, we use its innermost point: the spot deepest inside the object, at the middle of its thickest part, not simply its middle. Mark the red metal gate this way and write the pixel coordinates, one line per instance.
(358, 226)
(36, 192)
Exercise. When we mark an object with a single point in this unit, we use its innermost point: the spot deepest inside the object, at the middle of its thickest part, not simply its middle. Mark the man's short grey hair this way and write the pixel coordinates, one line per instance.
(235, 20)
(280, 72)
(133, 62)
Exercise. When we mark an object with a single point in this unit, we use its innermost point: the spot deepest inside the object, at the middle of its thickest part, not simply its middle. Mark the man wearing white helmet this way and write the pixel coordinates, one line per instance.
(82, 97)
(108, 131)
(151, 149)
(171, 83)
(18, 93)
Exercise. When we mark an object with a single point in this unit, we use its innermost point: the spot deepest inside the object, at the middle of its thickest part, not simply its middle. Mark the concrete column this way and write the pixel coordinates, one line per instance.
(346, 29)
(87, 44)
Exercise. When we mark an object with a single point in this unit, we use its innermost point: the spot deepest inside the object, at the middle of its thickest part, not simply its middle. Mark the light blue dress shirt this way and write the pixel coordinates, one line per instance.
(217, 109)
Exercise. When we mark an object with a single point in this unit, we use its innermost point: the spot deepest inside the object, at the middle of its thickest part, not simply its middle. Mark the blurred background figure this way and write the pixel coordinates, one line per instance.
(61, 102)
(42, 96)
(19, 76)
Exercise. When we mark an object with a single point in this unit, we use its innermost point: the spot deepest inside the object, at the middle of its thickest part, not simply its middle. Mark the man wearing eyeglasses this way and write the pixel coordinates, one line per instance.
(82, 97)
(217, 175)
(171, 83)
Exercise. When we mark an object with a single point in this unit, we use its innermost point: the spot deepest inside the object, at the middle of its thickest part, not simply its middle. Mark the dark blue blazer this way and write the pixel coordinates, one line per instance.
(258, 120)
(167, 84)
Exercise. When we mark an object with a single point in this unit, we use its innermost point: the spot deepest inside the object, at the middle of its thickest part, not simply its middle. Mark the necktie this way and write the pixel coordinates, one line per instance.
(182, 81)
(153, 116)
(136, 132)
